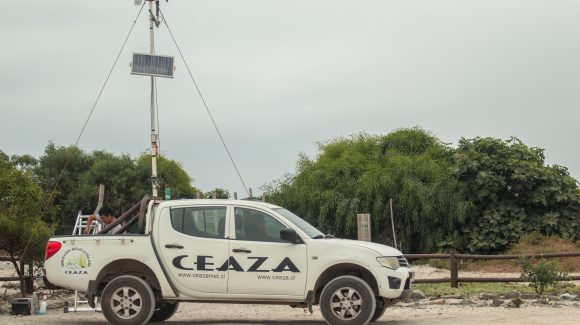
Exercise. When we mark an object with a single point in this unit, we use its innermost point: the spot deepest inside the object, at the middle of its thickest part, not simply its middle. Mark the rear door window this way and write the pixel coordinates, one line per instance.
(206, 222)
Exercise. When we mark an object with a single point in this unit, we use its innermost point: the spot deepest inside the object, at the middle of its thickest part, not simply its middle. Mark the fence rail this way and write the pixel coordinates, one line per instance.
(454, 278)
(412, 257)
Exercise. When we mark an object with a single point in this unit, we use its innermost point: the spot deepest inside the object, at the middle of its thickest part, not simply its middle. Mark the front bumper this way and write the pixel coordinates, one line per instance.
(393, 284)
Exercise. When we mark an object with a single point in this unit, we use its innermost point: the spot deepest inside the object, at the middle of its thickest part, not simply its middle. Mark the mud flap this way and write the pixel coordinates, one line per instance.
(91, 291)
(310, 300)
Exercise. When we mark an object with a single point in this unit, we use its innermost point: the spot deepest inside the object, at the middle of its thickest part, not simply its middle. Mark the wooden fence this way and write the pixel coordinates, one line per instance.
(453, 257)
(28, 280)
(454, 278)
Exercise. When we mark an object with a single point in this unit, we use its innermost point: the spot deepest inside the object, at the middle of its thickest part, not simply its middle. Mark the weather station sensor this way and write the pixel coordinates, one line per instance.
(152, 65)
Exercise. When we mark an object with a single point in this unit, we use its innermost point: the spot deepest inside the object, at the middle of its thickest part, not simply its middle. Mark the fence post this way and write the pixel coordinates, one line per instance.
(453, 267)
(363, 226)
(393, 224)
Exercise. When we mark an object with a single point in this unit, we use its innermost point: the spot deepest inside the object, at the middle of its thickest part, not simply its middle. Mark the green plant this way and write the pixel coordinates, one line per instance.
(540, 274)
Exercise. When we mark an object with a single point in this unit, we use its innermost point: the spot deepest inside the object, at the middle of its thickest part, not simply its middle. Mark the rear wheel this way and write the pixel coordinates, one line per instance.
(128, 300)
(163, 311)
(379, 309)
(347, 300)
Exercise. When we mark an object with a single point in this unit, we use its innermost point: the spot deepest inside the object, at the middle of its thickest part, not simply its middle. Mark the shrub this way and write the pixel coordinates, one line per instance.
(540, 274)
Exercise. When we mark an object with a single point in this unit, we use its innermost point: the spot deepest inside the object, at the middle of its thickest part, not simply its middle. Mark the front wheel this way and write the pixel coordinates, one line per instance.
(128, 300)
(347, 300)
(164, 311)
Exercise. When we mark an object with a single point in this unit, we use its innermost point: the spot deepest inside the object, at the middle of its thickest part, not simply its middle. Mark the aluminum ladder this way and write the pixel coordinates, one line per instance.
(78, 230)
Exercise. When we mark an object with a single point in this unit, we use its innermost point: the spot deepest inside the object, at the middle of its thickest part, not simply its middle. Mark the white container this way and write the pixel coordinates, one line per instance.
(42, 309)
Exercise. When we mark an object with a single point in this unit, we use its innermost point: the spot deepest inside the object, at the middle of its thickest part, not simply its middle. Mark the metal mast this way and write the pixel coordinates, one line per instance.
(153, 21)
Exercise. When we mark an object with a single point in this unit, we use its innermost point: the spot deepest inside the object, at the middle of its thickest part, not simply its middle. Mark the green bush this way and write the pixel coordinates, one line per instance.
(540, 274)
(25, 221)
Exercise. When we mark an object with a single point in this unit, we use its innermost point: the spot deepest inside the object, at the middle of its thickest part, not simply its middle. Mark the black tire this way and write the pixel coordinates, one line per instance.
(353, 295)
(164, 311)
(379, 309)
(123, 290)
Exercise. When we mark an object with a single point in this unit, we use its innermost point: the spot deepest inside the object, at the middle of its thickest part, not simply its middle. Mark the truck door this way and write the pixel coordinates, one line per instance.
(261, 263)
(193, 246)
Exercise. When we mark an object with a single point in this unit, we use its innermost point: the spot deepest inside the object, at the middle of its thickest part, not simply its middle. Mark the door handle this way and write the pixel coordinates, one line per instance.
(241, 250)
(174, 246)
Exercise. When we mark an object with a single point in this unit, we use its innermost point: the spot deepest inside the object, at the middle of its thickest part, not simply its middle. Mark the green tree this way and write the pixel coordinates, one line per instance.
(118, 174)
(513, 193)
(220, 193)
(24, 161)
(170, 174)
(126, 180)
(361, 173)
(24, 230)
(58, 173)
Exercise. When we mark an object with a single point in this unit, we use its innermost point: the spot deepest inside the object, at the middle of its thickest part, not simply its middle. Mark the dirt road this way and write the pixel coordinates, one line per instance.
(216, 314)
(528, 314)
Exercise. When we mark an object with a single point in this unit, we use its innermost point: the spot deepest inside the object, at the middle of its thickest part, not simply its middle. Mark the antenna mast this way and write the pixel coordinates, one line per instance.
(153, 66)
(153, 22)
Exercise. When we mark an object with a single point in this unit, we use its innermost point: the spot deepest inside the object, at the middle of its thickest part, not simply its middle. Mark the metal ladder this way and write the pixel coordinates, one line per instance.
(80, 226)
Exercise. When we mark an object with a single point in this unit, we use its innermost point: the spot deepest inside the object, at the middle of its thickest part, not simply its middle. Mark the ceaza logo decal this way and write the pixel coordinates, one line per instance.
(205, 263)
(76, 261)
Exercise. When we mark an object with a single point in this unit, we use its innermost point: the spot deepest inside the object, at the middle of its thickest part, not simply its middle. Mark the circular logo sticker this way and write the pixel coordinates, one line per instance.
(76, 261)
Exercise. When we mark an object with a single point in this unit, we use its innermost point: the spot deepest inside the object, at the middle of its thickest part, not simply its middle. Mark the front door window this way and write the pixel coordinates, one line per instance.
(254, 225)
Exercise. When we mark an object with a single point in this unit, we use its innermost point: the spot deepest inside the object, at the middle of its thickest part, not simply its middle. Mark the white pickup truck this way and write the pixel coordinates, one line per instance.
(226, 251)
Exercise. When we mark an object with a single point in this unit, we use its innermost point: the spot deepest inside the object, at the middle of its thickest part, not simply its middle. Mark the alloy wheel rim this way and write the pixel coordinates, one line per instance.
(346, 303)
(126, 303)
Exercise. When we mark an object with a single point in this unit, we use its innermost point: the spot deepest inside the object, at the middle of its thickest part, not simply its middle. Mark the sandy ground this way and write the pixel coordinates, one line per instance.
(397, 315)
(561, 313)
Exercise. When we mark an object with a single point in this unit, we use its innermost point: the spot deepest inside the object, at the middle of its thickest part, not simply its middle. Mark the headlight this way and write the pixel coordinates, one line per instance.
(389, 261)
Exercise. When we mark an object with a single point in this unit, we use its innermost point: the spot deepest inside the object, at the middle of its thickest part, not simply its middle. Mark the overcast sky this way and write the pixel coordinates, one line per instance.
(279, 76)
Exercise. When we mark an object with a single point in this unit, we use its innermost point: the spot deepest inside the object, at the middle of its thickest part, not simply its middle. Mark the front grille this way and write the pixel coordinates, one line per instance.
(403, 261)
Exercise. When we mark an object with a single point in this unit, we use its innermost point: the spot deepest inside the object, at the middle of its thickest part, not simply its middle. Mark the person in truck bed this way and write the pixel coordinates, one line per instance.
(104, 216)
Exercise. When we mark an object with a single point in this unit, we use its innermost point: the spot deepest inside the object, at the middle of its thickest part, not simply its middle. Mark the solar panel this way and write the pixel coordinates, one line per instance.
(152, 65)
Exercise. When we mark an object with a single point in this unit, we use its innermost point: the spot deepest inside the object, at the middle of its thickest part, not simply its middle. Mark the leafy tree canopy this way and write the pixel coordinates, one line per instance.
(479, 197)
(360, 174)
(220, 193)
(514, 193)
(126, 179)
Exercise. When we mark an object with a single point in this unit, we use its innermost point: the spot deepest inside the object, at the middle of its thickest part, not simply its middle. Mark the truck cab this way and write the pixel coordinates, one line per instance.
(228, 251)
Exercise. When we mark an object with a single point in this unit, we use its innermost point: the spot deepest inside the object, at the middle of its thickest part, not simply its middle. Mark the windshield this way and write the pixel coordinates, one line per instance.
(303, 225)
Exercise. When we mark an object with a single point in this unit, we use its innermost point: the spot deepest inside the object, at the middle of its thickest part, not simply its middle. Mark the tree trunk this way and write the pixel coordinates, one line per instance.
(20, 271)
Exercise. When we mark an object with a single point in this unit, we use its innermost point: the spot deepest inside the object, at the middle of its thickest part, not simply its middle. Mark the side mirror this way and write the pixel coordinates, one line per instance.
(289, 235)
